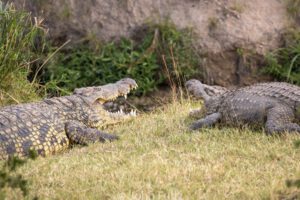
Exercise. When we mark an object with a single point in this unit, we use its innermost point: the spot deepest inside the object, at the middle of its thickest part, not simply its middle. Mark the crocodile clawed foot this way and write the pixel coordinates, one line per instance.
(207, 121)
(194, 126)
(109, 137)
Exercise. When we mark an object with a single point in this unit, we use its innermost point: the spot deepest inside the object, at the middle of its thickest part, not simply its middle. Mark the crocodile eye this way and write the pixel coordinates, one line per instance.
(101, 101)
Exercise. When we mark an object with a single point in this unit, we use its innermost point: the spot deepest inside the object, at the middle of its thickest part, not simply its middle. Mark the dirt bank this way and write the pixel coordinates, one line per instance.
(232, 35)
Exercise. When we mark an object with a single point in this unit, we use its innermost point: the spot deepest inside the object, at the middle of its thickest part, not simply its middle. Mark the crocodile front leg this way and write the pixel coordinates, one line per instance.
(78, 133)
(209, 120)
(280, 119)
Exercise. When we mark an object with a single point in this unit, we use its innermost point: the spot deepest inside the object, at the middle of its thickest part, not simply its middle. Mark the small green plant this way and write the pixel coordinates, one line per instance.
(293, 7)
(162, 47)
(238, 7)
(10, 179)
(295, 182)
(213, 23)
(179, 52)
(284, 63)
(21, 42)
(66, 13)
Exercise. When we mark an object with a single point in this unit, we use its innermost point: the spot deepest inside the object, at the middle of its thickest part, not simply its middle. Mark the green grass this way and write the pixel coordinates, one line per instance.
(158, 158)
(21, 42)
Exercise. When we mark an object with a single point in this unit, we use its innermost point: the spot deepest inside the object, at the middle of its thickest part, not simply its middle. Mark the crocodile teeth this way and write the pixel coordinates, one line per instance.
(132, 113)
(125, 96)
(134, 87)
(119, 112)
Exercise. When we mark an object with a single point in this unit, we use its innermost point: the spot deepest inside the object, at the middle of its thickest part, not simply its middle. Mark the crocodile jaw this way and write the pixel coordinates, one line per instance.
(105, 93)
(100, 117)
(111, 92)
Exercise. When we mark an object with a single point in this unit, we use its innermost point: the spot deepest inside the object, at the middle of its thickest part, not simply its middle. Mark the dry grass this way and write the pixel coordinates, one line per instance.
(158, 158)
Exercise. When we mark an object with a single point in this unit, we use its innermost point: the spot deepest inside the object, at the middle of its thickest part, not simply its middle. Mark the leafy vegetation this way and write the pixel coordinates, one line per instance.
(81, 66)
(9, 179)
(284, 63)
(293, 7)
(163, 54)
(21, 42)
(295, 182)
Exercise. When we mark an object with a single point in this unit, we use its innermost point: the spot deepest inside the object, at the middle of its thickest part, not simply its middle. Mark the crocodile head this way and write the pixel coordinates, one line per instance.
(203, 91)
(208, 93)
(95, 97)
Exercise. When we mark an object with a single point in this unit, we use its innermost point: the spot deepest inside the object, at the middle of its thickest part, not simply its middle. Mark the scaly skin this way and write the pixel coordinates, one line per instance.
(274, 104)
(50, 126)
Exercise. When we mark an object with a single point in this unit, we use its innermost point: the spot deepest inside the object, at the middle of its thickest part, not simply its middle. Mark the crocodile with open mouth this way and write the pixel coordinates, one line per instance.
(52, 125)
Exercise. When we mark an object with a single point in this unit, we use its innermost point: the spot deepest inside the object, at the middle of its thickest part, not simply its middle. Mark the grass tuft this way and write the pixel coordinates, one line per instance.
(21, 43)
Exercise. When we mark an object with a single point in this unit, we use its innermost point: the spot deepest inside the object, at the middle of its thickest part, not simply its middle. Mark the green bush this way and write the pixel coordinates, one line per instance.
(284, 63)
(79, 67)
(20, 44)
(163, 53)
